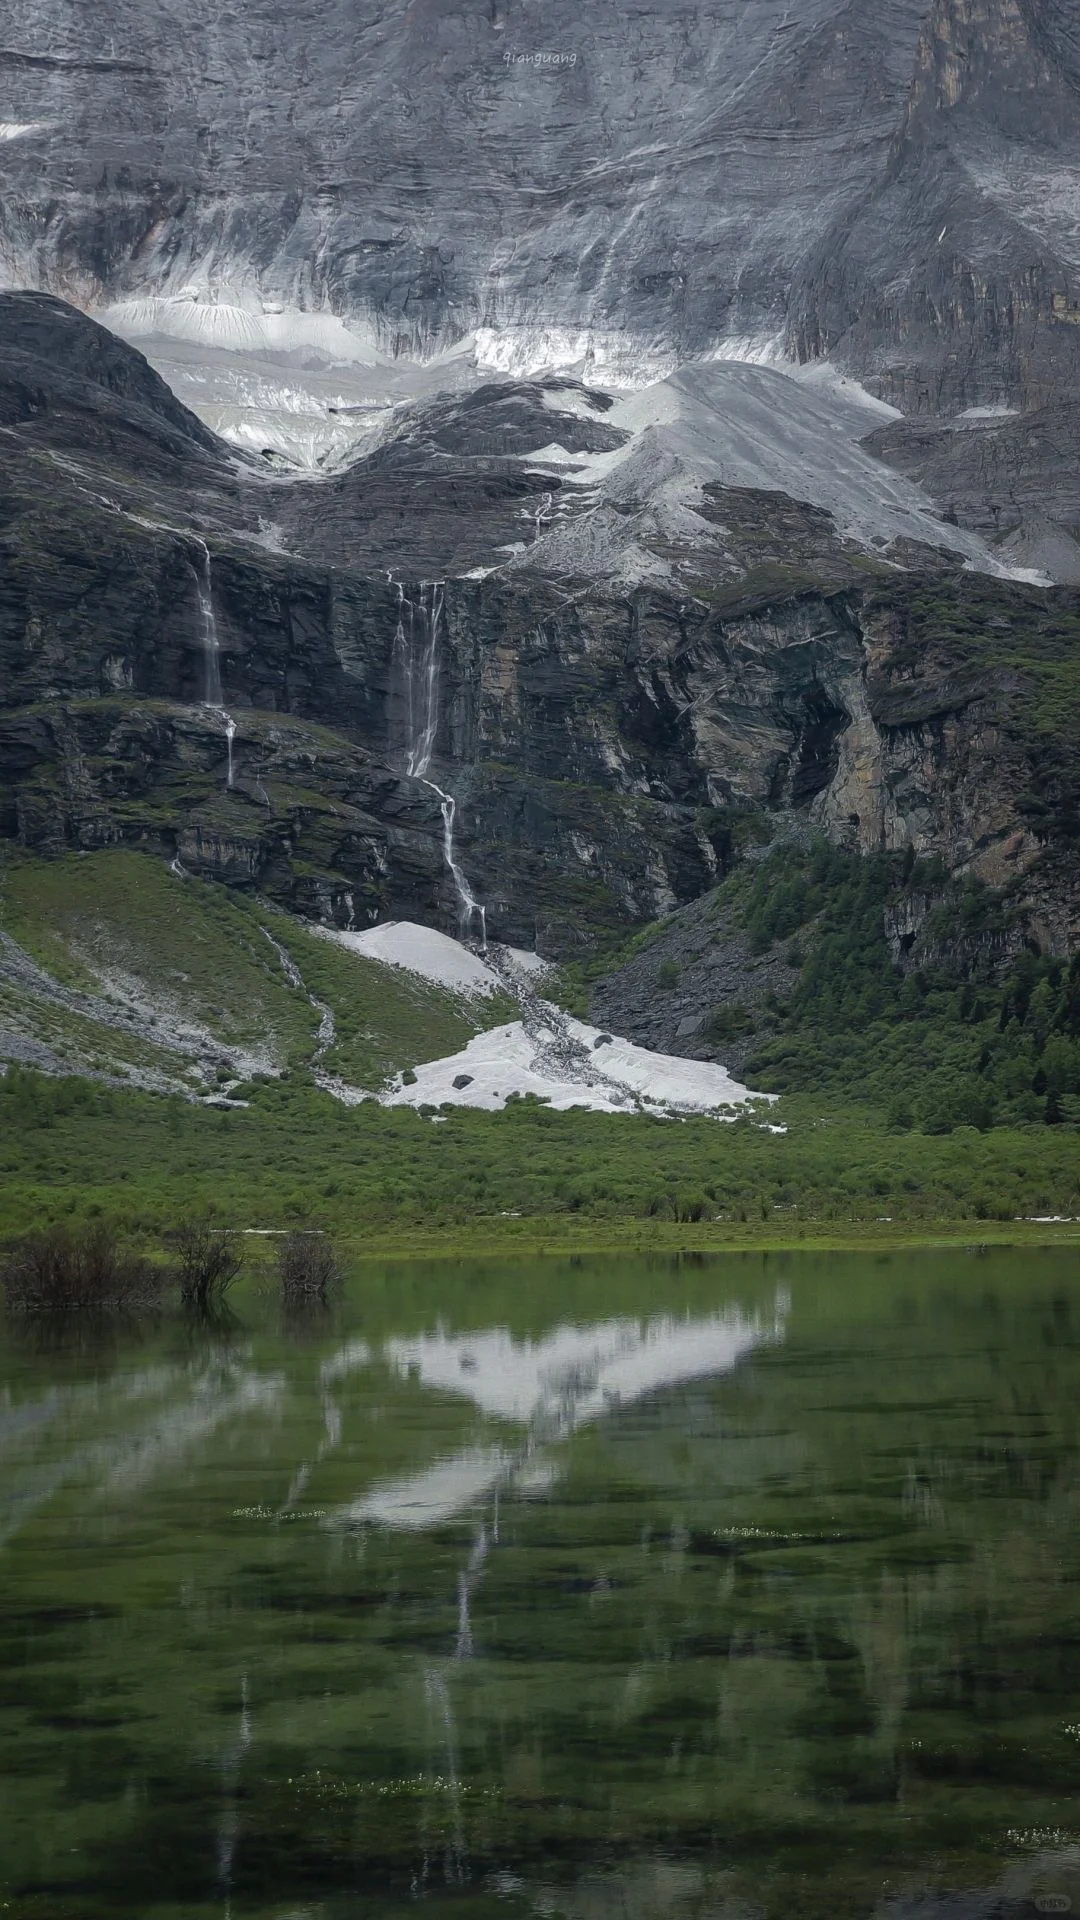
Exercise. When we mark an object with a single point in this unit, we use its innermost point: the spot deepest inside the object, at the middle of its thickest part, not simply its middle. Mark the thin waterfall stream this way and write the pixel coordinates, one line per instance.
(416, 661)
(213, 695)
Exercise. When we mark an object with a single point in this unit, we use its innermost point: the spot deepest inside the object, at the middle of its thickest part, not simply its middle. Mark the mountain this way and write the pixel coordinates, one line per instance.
(890, 183)
(655, 178)
(571, 453)
(611, 656)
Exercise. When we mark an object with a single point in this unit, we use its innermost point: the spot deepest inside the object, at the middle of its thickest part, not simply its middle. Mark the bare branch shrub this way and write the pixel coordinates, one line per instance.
(307, 1268)
(61, 1270)
(208, 1261)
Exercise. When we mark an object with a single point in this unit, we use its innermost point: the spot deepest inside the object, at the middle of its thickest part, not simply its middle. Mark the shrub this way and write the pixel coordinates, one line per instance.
(307, 1268)
(62, 1271)
(727, 1022)
(693, 1206)
(208, 1261)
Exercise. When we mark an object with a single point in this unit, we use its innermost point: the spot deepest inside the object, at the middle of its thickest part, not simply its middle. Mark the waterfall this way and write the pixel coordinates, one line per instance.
(423, 679)
(469, 904)
(212, 696)
(211, 651)
(415, 661)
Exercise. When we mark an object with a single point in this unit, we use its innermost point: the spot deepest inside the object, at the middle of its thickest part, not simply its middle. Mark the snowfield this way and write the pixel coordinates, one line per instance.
(433, 956)
(569, 1064)
(546, 1053)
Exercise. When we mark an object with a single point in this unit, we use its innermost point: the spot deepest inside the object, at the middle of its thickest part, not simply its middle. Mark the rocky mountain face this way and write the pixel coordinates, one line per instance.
(622, 189)
(686, 396)
(243, 672)
(893, 177)
(654, 172)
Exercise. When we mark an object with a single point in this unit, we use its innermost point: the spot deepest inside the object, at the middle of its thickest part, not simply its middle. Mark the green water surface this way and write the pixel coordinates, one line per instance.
(596, 1588)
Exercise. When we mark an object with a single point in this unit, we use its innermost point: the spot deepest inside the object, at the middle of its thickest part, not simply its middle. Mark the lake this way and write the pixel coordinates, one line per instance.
(596, 1588)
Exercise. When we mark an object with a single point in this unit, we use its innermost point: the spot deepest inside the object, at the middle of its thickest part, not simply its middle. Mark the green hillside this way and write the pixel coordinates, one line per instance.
(124, 970)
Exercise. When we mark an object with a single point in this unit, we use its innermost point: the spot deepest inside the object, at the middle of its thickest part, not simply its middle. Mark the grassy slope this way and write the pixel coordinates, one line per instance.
(199, 951)
(73, 1150)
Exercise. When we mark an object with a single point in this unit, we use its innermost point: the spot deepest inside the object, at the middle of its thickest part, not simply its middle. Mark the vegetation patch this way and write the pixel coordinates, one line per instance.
(72, 1152)
(121, 926)
(927, 1048)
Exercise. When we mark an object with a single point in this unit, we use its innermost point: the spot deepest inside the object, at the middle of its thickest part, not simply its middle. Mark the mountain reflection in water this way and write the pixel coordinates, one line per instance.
(550, 1386)
(626, 1589)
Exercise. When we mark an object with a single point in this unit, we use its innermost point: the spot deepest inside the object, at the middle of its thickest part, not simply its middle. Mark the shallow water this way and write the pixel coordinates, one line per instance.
(594, 1588)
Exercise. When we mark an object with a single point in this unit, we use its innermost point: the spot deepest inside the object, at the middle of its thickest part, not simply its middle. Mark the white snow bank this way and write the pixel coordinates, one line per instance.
(424, 951)
(547, 1053)
(1000, 411)
(568, 1064)
(436, 957)
(522, 961)
(22, 129)
(601, 357)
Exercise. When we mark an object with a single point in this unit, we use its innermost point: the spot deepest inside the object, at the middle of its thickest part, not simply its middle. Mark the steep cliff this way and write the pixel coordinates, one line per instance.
(232, 670)
(641, 183)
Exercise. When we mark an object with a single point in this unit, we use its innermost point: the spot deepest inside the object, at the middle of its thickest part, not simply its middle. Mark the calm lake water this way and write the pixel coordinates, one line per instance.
(596, 1588)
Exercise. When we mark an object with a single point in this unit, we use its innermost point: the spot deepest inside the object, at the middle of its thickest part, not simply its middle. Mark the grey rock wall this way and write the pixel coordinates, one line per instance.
(659, 176)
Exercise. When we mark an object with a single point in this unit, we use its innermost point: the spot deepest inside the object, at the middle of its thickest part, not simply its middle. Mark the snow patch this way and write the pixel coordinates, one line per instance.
(753, 349)
(611, 359)
(546, 1053)
(22, 129)
(568, 1064)
(998, 412)
(434, 956)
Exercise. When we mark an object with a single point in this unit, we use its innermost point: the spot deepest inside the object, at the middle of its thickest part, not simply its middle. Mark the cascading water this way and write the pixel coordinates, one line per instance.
(212, 695)
(416, 663)
(470, 905)
(212, 690)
